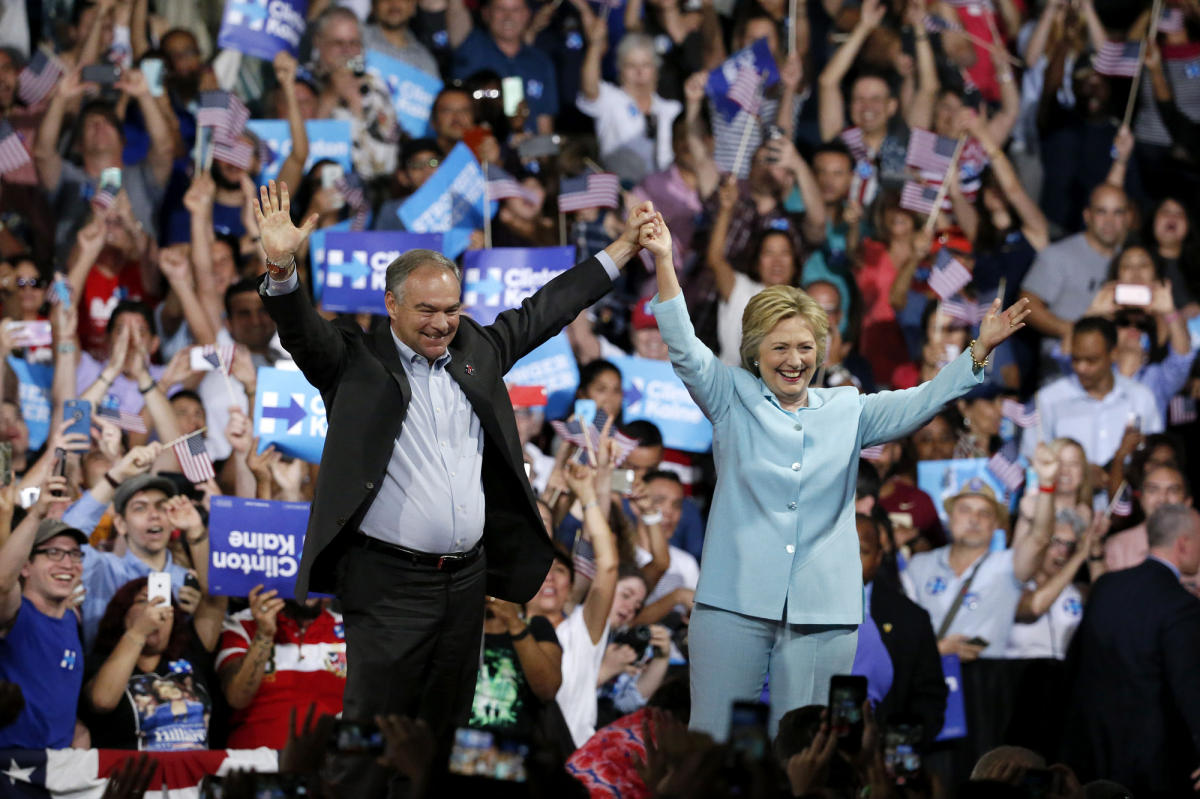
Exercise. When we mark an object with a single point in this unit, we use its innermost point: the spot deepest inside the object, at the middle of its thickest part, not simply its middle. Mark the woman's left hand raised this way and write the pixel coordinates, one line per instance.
(655, 237)
(997, 326)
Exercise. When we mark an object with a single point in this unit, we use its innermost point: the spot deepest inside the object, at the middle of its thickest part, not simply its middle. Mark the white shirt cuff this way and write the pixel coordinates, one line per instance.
(609, 265)
(277, 287)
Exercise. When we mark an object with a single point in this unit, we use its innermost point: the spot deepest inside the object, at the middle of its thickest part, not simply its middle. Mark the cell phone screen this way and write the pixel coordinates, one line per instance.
(478, 753)
(847, 693)
(357, 737)
(748, 729)
(512, 92)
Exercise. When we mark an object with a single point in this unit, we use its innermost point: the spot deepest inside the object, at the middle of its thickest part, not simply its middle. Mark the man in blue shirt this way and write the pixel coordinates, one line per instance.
(40, 649)
(502, 48)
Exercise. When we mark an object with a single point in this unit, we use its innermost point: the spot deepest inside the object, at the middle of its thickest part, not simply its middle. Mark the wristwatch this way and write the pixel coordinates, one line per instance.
(282, 271)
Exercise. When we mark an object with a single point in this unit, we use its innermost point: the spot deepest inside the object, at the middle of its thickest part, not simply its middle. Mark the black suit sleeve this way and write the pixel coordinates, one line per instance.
(928, 697)
(1181, 655)
(518, 331)
(316, 345)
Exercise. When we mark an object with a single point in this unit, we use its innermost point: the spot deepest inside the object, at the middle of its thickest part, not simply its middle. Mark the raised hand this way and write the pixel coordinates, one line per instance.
(655, 237)
(278, 236)
(640, 215)
(265, 607)
(285, 70)
(198, 199)
(997, 326)
(1045, 465)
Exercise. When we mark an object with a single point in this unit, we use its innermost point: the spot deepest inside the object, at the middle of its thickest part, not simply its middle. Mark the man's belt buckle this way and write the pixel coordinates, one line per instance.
(441, 562)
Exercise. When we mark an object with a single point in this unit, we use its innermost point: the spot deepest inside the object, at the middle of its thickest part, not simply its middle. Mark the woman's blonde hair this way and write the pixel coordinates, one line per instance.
(1083, 495)
(771, 306)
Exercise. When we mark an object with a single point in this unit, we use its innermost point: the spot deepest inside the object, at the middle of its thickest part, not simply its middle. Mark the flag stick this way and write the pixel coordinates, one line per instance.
(1136, 86)
(487, 214)
(753, 118)
(233, 400)
(1113, 501)
(1037, 410)
(175, 441)
(931, 221)
(791, 27)
(562, 229)
(1000, 291)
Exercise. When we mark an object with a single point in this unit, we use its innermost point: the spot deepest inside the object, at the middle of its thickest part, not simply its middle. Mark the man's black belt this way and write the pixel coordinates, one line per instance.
(449, 562)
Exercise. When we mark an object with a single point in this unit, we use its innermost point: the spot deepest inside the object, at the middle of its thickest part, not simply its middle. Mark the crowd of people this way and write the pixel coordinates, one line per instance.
(1027, 622)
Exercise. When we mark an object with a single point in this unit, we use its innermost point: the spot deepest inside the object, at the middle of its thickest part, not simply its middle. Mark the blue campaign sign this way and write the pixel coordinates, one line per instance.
(253, 542)
(33, 391)
(501, 278)
(551, 365)
(451, 202)
(654, 392)
(261, 28)
(757, 55)
(316, 245)
(355, 267)
(327, 139)
(289, 413)
(412, 91)
(955, 725)
(942, 480)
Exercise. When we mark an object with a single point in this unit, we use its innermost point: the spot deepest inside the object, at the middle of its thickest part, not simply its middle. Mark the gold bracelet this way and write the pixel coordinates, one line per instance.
(971, 350)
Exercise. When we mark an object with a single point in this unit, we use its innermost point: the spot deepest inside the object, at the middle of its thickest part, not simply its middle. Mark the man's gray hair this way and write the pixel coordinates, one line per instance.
(1072, 519)
(1168, 523)
(329, 15)
(399, 269)
(631, 42)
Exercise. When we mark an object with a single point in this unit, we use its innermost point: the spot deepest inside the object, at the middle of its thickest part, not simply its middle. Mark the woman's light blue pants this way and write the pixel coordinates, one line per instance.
(730, 655)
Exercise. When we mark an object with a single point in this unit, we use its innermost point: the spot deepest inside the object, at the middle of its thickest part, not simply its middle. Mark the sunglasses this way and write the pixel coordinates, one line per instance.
(29, 283)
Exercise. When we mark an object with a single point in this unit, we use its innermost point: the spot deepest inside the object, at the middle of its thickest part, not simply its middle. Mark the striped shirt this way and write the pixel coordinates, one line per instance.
(1182, 65)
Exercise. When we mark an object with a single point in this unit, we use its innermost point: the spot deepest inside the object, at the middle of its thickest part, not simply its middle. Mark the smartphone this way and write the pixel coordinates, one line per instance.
(103, 74)
(478, 753)
(1041, 782)
(901, 750)
(1132, 294)
(6, 472)
(356, 738)
(622, 481)
(80, 414)
(158, 584)
(265, 786)
(512, 92)
(539, 147)
(748, 729)
(202, 155)
(847, 693)
(191, 581)
(29, 496)
(979, 641)
(29, 334)
(110, 180)
(585, 411)
(152, 70)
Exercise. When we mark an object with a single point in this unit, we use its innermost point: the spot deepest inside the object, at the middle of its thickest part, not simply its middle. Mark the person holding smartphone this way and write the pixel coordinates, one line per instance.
(781, 580)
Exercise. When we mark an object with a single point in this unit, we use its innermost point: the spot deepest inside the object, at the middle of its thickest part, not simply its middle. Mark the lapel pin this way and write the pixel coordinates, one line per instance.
(887, 626)
(470, 369)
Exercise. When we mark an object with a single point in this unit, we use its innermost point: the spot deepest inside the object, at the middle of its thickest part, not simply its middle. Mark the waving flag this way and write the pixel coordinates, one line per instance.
(1182, 410)
(948, 275)
(746, 89)
(1006, 467)
(916, 197)
(927, 150)
(1171, 21)
(594, 190)
(1118, 59)
(1121, 504)
(963, 310)
(853, 139)
(193, 458)
(935, 24)
(38, 77)
(130, 422)
(219, 357)
(584, 436)
(503, 186)
(755, 56)
(236, 153)
(872, 454)
(349, 185)
(1024, 416)
(13, 154)
(224, 112)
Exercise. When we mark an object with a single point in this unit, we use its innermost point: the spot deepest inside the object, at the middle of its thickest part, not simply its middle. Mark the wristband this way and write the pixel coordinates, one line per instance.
(111, 481)
(652, 518)
(1045, 489)
(65, 347)
(144, 391)
(593, 504)
(523, 634)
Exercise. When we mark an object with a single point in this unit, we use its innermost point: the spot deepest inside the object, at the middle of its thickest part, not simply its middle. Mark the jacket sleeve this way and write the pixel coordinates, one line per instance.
(1180, 647)
(316, 345)
(709, 381)
(888, 415)
(928, 696)
(520, 330)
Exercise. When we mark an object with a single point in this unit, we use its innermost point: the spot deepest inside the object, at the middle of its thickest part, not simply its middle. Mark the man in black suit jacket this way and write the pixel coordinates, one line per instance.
(422, 504)
(918, 692)
(1134, 667)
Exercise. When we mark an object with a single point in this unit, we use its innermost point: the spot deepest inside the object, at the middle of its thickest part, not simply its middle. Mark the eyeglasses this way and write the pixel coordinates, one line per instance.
(486, 94)
(29, 283)
(1067, 545)
(424, 163)
(55, 554)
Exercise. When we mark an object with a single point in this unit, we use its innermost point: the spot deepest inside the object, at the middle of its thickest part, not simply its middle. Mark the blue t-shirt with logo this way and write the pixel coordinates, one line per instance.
(44, 656)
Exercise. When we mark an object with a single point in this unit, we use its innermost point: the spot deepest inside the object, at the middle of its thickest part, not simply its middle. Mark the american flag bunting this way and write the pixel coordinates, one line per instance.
(594, 190)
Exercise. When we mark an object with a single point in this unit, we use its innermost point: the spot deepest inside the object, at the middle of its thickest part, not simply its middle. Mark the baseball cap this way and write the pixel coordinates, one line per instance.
(642, 317)
(978, 487)
(50, 528)
(135, 485)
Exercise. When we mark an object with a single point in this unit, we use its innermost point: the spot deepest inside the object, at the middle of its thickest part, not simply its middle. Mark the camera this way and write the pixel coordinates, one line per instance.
(637, 637)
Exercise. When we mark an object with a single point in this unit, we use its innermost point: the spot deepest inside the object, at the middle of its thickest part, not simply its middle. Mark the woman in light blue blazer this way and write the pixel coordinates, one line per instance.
(781, 580)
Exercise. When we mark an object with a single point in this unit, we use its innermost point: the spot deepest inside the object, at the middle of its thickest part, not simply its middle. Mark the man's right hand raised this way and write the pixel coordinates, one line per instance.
(279, 237)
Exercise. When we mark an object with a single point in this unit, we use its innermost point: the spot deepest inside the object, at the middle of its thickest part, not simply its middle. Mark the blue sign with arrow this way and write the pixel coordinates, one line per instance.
(654, 392)
(501, 278)
(289, 413)
(355, 267)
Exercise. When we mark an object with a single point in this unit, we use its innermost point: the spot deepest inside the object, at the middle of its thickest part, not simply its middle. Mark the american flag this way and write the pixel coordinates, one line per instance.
(235, 153)
(948, 275)
(594, 190)
(927, 150)
(193, 458)
(13, 154)
(1182, 410)
(916, 197)
(1021, 415)
(220, 357)
(746, 89)
(1171, 21)
(503, 186)
(572, 432)
(1118, 59)
(585, 564)
(1006, 466)
(38, 77)
(350, 187)
(224, 112)
(874, 453)
(963, 310)
(935, 24)
(1121, 504)
(103, 198)
(130, 422)
(853, 139)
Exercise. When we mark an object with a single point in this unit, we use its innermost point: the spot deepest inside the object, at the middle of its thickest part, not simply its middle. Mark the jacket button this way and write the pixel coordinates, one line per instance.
(792, 506)
(790, 549)
(370, 485)
(797, 427)
(341, 522)
(795, 467)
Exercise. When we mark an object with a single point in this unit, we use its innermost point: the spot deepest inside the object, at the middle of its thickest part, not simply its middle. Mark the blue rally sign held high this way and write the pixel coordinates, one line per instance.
(261, 28)
(327, 139)
(289, 413)
(355, 267)
(501, 278)
(654, 392)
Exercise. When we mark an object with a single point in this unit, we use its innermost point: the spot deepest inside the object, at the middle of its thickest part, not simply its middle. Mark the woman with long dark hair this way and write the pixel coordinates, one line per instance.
(1170, 234)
